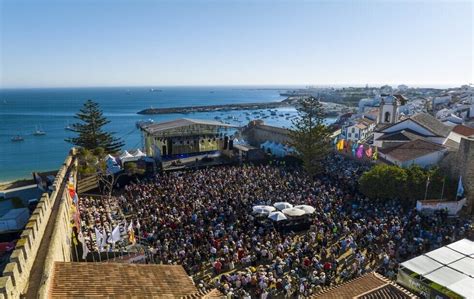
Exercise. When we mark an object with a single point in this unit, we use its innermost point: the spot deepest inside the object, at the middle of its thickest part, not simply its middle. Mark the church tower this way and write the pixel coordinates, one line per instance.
(388, 110)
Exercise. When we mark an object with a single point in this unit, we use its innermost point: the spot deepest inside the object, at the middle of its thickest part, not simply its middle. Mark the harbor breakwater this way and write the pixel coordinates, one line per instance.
(331, 109)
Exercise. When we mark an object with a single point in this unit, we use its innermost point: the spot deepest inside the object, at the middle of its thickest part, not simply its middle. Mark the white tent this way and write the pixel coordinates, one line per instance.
(307, 209)
(282, 205)
(293, 212)
(139, 154)
(126, 156)
(277, 216)
(263, 210)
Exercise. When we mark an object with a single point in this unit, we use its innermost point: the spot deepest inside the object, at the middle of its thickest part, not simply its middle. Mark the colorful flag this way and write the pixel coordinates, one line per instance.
(375, 156)
(99, 237)
(368, 152)
(85, 250)
(360, 151)
(131, 233)
(354, 148)
(115, 236)
(340, 145)
(460, 191)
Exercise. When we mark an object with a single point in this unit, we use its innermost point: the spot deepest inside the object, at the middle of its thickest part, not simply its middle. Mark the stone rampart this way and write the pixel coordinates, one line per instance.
(16, 275)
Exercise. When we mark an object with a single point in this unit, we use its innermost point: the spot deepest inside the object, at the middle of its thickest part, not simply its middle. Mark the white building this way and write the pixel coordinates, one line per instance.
(389, 111)
(458, 132)
(441, 100)
(419, 152)
(358, 130)
(420, 126)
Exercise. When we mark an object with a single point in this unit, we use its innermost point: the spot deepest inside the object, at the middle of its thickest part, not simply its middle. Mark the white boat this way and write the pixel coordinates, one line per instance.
(39, 132)
(17, 138)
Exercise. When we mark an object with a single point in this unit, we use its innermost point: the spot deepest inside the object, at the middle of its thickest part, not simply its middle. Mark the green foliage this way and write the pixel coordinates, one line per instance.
(392, 182)
(310, 136)
(384, 182)
(91, 161)
(90, 130)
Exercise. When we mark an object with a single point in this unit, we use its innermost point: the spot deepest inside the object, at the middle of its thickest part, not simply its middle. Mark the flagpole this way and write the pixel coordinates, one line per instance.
(427, 183)
(442, 190)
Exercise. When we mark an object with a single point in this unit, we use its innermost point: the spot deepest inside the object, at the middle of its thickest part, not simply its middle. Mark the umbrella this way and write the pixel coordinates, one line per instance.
(293, 212)
(277, 216)
(282, 205)
(263, 209)
(307, 209)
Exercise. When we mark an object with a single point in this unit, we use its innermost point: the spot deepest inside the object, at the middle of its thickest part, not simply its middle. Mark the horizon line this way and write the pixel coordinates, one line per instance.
(305, 85)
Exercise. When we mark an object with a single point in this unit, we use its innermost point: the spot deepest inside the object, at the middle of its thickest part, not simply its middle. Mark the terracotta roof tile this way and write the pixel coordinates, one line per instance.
(368, 286)
(352, 288)
(412, 150)
(463, 130)
(112, 280)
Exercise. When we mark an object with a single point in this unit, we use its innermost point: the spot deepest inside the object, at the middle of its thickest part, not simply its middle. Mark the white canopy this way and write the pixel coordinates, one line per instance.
(445, 276)
(139, 153)
(294, 212)
(277, 216)
(464, 286)
(306, 208)
(463, 246)
(444, 255)
(125, 155)
(282, 205)
(263, 210)
(422, 265)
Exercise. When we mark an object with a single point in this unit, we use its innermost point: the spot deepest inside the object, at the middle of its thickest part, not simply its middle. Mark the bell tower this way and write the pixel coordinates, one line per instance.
(388, 110)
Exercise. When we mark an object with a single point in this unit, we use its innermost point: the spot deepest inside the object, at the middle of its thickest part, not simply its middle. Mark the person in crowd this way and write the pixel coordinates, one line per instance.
(202, 219)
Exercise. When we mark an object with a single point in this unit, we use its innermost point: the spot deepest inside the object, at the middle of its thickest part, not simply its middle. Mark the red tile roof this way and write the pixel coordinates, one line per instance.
(412, 150)
(371, 285)
(463, 130)
(111, 280)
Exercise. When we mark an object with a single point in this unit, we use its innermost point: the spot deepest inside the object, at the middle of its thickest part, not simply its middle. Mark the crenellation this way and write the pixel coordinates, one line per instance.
(14, 280)
(7, 289)
(11, 269)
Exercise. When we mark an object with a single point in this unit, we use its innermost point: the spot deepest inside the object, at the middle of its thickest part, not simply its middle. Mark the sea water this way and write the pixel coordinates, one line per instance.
(22, 111)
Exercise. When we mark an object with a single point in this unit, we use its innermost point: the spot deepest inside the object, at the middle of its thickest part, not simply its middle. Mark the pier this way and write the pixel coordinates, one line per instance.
(331, 109)
(218, 108)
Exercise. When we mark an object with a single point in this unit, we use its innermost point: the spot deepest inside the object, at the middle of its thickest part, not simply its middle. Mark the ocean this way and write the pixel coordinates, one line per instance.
(52, 109)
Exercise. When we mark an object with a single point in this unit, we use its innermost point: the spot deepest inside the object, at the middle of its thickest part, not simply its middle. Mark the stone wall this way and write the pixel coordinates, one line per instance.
(464, 166)
(16, 275)
(257, 133)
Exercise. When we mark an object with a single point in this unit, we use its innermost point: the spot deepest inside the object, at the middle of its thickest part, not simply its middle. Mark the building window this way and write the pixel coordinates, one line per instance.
(349, 135)
(356, 135)
(387, 117)
(353, 130)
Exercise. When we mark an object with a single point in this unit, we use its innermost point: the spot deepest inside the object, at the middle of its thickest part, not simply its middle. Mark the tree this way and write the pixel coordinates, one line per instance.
(384, 182)
(310, 136)
(410, 184)
(90, 130)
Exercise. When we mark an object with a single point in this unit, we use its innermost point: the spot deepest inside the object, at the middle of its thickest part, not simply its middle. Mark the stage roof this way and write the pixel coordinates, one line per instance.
(451, 266)
(183, 124)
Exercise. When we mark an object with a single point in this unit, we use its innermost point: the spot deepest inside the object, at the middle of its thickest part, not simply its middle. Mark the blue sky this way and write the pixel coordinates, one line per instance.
(126, 43)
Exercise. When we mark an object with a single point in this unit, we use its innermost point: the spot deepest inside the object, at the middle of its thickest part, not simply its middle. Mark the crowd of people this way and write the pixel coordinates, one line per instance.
(202, 219)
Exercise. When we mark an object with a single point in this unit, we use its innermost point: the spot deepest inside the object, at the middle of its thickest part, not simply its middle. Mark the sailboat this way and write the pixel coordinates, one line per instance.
(17, 138)
(39, 132)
